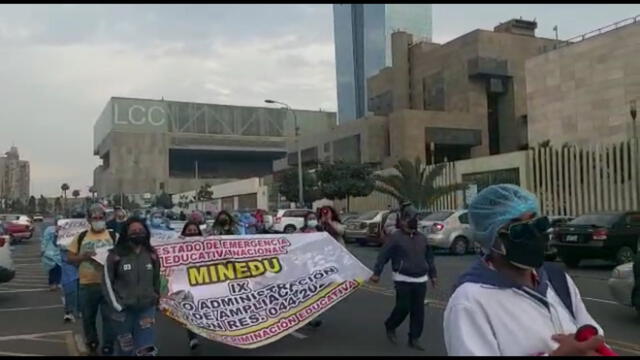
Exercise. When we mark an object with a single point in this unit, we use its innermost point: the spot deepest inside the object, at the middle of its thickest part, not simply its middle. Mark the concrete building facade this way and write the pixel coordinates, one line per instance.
(14, 176)
(459, 100)
(580, 93)
(362, 35)
(149, 146)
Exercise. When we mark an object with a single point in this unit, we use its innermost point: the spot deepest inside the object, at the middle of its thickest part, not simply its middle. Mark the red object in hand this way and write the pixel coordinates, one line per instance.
(586, 332)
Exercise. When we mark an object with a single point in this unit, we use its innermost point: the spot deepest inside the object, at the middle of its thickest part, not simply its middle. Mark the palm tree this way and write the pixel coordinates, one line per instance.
(92, 190)
(64, 188)
(75, 194)
(413, 182)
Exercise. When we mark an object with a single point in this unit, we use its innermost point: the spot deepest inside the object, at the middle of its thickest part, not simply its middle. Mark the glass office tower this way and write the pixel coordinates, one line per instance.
(362, 34)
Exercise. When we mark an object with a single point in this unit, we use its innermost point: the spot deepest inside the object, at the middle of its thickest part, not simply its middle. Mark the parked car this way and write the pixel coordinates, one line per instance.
(607, 235)
(17, 227)
(551, 253)
(348, 217)
(289, 220)
(621, 284)
(448, 230)
(389, 224)
(365, 228)
(38, 218)
(7, 270)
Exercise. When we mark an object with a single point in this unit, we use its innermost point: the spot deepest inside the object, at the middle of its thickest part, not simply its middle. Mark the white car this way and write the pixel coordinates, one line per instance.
(16, 218)
(289, 220)
(621, 284)
(7, 270)
(448, 230)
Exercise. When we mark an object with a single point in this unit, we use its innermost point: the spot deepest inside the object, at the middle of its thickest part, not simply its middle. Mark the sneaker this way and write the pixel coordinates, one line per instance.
(315, 323)
(414, 344)
(193, 344)
(107, 351)
(53, 287)
(391, 335)
(69, 318)
(92, 348)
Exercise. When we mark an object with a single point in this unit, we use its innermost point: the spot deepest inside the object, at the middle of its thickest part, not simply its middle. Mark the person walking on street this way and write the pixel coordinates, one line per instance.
(511, 303)
(118, 221)
(310, 224)
(132, 287)
(51, 259)
(191, 229)
(413, 264)
(224, 224)
(157, 221)
(69, 279)
(330, 222)
(81, 251)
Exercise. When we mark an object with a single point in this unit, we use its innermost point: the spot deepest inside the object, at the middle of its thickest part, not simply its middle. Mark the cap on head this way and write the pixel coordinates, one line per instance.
(407, 211)
(496, 206)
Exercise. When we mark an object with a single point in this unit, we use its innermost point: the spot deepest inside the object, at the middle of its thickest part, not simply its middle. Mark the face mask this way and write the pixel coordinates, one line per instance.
(412, 224)
(137, 239)
(156, 221)
(98, 226)
(224, 221)
(525, 242)
(312, 223)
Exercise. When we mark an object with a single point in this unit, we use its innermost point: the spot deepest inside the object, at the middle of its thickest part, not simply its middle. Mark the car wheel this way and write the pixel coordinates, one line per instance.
(289, 229)
(459, 246)
(570, 260)
(624, 255)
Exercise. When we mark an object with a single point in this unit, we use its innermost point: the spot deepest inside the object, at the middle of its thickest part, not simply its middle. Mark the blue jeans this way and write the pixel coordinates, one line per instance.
(135, 331)
(71, 297)
(54, 275)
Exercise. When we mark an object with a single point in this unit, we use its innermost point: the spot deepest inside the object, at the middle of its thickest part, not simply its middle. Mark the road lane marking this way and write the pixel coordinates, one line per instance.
(602, 301)
(31, 308)
(18, 354)
(298, 335)
(32, 336)
(22, 290)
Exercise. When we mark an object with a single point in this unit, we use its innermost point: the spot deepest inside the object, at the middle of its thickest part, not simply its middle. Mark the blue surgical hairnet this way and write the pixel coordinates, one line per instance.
(496, 206)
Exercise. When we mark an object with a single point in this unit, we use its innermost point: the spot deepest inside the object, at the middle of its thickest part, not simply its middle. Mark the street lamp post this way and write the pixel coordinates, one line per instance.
(634, 112)
(297, 134)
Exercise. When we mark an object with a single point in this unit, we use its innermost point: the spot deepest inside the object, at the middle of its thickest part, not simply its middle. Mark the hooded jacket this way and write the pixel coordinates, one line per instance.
(410, 255)
(131, 281)
(490, 315)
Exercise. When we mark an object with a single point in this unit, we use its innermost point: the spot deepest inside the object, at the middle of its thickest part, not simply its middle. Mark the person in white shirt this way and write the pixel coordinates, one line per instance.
(511, 303)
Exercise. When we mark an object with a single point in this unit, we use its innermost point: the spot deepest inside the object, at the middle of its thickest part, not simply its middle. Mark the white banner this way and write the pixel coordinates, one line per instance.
(248, 291)
(69, 228)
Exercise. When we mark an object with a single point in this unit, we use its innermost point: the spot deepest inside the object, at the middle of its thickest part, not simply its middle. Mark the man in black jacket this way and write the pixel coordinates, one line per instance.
(413, 265)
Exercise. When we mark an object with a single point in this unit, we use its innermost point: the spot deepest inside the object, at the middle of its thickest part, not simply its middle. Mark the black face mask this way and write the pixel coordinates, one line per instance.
(412, 224)
(409, 214)
(525, 243)
(137, 239)
(224, 221)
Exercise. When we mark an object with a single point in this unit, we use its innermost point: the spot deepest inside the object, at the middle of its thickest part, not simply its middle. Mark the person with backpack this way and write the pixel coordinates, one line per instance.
(80, 253)
(511, 303)
(131, 285)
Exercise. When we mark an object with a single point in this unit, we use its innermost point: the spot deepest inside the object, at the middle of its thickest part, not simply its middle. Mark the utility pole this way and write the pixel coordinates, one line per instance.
(634, 112)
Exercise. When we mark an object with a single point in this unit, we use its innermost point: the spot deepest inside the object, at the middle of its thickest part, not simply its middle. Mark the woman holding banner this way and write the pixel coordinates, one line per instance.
(190, 229)
(330, 222)
(132, 288)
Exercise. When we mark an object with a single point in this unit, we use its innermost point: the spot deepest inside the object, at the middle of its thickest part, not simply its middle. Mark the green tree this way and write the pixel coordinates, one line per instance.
(75, 194)
(204, 193)
(93, 191)
(64, 187)
(413, 182)
(343, 180)
(31, 205)
(43, 205)
(163, 200)
(289, 186)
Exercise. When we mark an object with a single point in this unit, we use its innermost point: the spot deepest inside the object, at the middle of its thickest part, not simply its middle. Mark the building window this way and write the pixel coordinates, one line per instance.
(327, 147)
(434, 92)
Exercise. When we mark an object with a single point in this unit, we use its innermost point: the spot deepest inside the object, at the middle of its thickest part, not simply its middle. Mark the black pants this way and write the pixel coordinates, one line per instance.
(409, 301)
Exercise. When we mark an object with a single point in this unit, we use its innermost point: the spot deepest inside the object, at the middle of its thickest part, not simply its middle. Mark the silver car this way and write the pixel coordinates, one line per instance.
(621, 284)
(448, 230)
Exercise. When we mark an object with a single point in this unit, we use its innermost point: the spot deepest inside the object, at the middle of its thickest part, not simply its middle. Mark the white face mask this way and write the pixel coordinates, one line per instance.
(312, 223)
(98, 226)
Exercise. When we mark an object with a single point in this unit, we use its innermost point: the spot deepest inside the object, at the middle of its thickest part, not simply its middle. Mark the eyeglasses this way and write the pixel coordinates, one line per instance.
(527, 229)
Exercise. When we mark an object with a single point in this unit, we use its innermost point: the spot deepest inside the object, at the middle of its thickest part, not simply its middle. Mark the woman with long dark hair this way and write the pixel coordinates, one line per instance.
(190, 229)
(132, 287)
(330, 222)
(224, 224)
(310, 223)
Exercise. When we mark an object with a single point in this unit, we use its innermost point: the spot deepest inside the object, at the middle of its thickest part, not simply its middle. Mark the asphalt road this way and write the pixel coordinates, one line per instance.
(31, 316)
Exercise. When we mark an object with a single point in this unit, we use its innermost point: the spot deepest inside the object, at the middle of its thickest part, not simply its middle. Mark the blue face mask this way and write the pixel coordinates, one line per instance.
(156, 221)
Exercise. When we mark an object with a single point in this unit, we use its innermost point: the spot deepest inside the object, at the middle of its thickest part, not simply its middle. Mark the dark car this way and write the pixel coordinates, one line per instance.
(551, 253)
(608, 236)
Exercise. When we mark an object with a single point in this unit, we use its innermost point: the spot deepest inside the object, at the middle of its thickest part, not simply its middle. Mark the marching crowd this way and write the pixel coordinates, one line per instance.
(508, 303)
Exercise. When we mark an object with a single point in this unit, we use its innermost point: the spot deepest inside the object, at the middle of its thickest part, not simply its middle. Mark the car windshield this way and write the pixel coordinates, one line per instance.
(368, 215)
(600, 220)
(438, 216)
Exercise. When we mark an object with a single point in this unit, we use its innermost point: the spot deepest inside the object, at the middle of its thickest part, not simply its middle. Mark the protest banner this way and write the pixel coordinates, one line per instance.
(68, 229)
(248, 291)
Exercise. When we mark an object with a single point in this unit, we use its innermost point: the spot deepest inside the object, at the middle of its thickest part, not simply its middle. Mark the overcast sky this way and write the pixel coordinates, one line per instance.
(59, 64)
